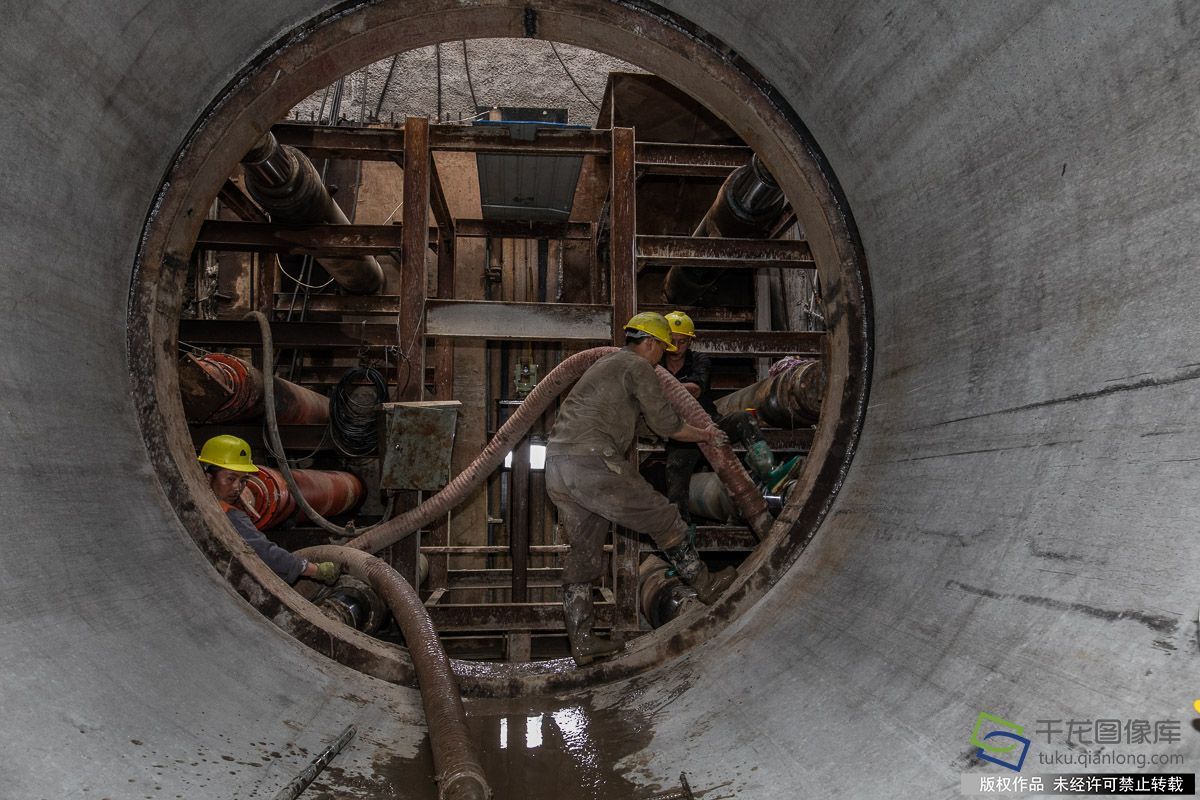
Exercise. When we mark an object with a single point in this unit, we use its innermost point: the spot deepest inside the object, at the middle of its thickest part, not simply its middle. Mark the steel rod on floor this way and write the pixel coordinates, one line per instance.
(299, 783)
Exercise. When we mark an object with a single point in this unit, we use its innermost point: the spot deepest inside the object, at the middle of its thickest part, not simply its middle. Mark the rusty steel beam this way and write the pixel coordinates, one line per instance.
(240, 333)
(724, 539)
(384, 304)
(385, 144)
(241, 203)
(797, 440)
(449, 617)
(311, 240)
(323, 141)
(729, 344)
(490, 319)
(716, 539)
(518, 521)
(353, 240)
(622, 239)
(518, 229)
(298, 437)
(266, 281)
(699, 160)
(417, 163)
(723, 253)
(538, 577)
(437, 201)
(501, 549)
(701, 314)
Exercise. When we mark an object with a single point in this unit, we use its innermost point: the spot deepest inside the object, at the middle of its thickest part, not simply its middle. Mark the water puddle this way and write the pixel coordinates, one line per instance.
(531, 749)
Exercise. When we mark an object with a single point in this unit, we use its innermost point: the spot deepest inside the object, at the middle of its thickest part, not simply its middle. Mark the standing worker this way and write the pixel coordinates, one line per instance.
(592, 483)
(693, 370)
(228, 465)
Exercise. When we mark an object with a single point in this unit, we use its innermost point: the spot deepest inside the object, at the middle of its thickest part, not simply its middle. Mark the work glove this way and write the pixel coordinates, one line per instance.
(327, 572)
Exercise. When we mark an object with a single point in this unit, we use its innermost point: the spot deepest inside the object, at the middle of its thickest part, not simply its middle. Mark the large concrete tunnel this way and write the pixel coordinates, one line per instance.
(1014, 534)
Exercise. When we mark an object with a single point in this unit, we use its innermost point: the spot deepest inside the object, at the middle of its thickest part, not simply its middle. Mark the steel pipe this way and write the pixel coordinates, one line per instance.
(748, 205)
(458, 771)
(218, 387)
(270, 502)
(708, 498)
(662, 597)
(287, 185)
(789, 399)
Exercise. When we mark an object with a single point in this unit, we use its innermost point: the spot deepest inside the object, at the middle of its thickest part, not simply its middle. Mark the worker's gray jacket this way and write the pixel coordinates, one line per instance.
(601, 413)
(284, 564)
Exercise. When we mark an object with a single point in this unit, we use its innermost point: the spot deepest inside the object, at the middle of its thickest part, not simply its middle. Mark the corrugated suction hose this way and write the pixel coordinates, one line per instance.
(458, 771)
(741, 488)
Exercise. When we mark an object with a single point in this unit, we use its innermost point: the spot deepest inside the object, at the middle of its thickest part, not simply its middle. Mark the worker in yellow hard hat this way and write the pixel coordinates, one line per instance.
(592, 483)
(694, 370)
(228, 465)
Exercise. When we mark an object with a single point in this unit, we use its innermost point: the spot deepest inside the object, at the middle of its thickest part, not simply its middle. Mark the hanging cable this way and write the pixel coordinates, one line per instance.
(351, 419)
(299, 282)
(386, 83)
(470, 85)
(572, 77)
(275, 444)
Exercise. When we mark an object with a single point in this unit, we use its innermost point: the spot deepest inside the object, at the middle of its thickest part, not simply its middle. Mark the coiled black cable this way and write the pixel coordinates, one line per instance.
(351, 418)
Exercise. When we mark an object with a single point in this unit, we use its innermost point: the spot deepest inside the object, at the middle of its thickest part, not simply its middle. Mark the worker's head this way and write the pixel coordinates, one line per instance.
(228, 465)
(648, 334)
(683, 330)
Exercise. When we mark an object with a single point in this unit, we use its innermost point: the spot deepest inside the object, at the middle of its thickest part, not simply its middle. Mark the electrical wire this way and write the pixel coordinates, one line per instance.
(386, 83)
(268, 346)
(299, 282)
(470, 85)
(572, 77)
(352, 421)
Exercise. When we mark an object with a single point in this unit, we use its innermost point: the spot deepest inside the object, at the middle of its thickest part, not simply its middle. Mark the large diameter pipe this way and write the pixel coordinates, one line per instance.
(218, 387)
(662, 597)
(750, 503)
(270, 502)
(707, 498)
(788, 399)
(458, 770)
(288, 186)
(748, 205)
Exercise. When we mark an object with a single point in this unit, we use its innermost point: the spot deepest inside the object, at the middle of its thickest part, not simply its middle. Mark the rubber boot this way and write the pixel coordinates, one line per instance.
(708, 585)
(586, 646)
(761, 460)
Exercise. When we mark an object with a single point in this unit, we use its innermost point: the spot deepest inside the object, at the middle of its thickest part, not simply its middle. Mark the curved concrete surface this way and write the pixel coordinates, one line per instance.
(1016, 534)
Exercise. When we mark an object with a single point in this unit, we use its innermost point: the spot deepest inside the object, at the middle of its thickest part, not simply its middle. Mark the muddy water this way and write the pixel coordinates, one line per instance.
(536, 749)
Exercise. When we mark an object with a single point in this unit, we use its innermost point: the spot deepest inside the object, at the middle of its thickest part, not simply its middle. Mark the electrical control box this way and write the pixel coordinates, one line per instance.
(418, 438)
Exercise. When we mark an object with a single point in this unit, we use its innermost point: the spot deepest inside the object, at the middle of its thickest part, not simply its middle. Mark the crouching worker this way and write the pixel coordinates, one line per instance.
(592, 483)
(228, 465)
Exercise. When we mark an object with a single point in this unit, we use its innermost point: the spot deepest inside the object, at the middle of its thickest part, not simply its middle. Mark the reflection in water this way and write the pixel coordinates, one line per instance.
(529, 749)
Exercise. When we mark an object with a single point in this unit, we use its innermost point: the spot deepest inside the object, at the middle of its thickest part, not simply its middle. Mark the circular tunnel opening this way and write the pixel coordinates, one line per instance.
(672, 180)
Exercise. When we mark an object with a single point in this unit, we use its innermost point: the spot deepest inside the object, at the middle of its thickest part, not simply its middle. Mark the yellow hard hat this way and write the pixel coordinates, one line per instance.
(654, 324)
(681, 323)
(227, 452)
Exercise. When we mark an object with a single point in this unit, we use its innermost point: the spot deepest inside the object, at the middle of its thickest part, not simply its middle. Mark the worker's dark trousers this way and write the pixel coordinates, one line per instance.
(590, 491)
(682, 457)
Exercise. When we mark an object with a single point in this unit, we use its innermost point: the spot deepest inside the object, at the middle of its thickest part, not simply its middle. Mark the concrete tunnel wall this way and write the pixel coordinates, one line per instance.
(1017, 531)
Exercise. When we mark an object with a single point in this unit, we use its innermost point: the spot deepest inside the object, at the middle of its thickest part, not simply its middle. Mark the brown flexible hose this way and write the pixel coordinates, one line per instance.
(458, 770)
(531, 409)
(747, 498)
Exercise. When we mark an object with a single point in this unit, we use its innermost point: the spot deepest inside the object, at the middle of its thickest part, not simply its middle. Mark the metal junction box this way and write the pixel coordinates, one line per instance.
(418, 438)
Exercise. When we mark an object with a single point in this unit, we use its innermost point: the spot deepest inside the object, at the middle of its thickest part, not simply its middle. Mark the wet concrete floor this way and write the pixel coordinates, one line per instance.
(530, 748)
